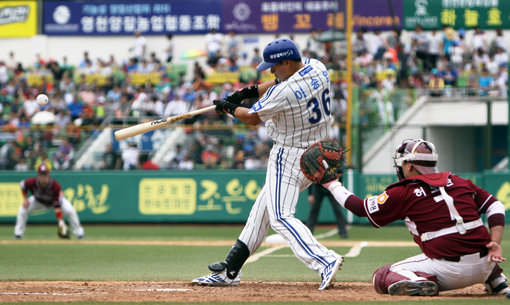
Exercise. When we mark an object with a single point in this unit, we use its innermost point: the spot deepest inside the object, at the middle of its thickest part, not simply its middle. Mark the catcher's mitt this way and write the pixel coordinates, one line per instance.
(322, 162)
(62, 231)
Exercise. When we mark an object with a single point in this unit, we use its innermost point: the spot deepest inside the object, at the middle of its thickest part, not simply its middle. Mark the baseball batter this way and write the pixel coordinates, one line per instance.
(443, 213)
(46, 193)
(296, 112)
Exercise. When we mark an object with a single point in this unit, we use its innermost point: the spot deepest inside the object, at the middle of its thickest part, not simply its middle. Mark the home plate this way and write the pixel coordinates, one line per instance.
(165, 289)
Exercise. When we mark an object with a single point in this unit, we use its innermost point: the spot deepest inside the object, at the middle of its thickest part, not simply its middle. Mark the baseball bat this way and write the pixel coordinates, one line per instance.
(135, 130)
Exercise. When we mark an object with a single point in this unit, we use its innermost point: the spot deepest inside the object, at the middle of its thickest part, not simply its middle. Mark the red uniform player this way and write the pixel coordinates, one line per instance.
(443, 213)
(46, 193)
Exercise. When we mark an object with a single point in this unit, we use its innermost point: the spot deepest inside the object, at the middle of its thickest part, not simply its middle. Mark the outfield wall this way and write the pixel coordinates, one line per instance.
(188, 196)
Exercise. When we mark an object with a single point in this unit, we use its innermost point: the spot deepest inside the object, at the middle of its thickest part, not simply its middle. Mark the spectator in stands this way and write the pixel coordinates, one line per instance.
(130, 157)
(449, 76)
(501, 57)
(501, 82)
(479, 40)
(186, 163)
(213, 44)
(30, 106)
(75, 108)
(243, 61)
(140, 47)
(110, 159)
(421, 46)
(365, 59)
(436, 83)
(233, 46)
(169, 48)
(485, 82)
(435, 46)
(256, 58)
(252, 162)
(176, 157)
(9, 155)
(11, 61)
(147, 163)
(480, 58)
(85, 59)
(210, 157)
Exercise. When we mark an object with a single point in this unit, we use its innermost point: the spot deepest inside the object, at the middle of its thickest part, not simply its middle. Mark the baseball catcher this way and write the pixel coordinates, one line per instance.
(443, 213)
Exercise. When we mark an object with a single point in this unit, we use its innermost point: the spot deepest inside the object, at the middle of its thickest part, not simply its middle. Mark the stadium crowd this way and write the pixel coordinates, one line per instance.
(390, 70)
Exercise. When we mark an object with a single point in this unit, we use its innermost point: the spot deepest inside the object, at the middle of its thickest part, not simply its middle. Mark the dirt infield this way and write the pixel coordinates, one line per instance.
(68, 291)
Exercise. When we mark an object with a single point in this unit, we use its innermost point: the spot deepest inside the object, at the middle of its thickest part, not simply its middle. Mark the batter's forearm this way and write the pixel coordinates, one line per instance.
(243, 114)
(264, 86)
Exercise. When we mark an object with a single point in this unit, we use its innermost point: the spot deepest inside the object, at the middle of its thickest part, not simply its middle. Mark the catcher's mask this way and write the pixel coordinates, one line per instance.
(421, 154)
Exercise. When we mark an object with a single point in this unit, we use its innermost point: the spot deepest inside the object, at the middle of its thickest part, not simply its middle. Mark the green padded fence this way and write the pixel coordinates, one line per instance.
(205, 196)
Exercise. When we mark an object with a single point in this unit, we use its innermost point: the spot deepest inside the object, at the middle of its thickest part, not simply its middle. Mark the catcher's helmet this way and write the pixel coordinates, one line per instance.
(277, 51)
(420, 153)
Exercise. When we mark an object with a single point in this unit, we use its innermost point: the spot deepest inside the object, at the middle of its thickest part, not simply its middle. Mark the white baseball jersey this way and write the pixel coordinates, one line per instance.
(297, 111)
(297, 114)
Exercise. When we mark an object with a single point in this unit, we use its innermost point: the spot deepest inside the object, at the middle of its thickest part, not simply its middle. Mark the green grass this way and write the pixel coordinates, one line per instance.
(102, 262)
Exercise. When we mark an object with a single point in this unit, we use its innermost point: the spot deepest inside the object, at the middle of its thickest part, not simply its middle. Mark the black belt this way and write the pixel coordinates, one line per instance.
(482, 253)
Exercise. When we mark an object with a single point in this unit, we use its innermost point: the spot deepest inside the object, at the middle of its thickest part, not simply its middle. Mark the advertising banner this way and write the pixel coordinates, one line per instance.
(18, 18)
(152, 17)
(199, 196)
(485, 14)
(284, 16)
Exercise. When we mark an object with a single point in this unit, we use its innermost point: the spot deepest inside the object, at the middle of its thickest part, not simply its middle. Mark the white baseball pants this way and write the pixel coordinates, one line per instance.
(471, 269)
(275, 206)
(34, 204)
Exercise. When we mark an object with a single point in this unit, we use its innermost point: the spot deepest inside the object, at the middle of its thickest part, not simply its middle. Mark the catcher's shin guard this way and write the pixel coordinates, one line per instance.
(234, 261)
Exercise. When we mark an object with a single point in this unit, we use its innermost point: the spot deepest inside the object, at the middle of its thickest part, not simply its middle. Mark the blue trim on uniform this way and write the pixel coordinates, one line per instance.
(257, 106)
(289, 227)
(307, 61)
(305, 70)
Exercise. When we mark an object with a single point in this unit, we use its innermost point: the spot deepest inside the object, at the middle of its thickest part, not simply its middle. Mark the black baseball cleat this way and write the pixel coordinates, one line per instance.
(18, 237)
(81, 237)
(418, 288)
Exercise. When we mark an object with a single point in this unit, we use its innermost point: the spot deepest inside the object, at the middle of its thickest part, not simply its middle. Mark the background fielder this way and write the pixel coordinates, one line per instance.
(296, 114)
(46, 193)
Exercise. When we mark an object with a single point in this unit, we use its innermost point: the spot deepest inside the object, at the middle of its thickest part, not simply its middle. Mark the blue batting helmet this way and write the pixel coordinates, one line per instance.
(277, 51)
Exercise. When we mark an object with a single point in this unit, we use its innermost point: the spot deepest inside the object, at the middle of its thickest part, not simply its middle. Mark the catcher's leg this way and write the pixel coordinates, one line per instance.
(22, 218)
(496, 282)
(69, 212)
(404, 282)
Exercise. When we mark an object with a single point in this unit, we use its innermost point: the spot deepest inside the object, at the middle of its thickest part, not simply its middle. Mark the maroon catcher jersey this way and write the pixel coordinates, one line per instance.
(422, 207)
(49, 195)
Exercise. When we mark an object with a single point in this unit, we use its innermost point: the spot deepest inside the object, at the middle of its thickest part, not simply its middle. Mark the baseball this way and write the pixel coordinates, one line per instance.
(42, 99)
